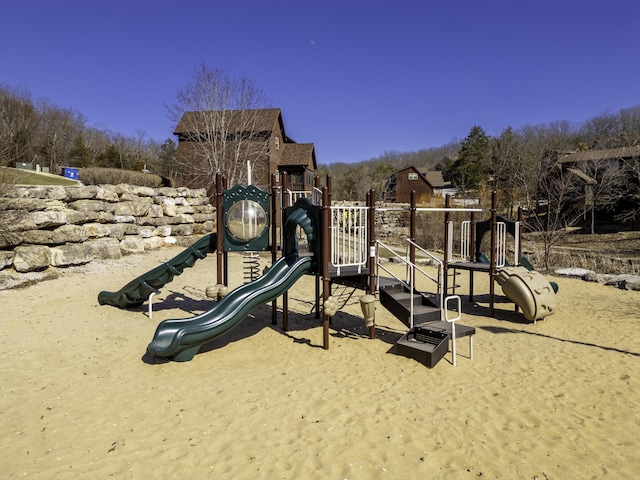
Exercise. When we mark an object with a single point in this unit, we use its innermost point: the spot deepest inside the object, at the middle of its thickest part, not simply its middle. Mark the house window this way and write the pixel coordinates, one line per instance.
(413, 176)
(277, 140)
(277, 172)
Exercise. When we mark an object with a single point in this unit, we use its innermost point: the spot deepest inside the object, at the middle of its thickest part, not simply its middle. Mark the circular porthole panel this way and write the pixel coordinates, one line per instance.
(246, 220)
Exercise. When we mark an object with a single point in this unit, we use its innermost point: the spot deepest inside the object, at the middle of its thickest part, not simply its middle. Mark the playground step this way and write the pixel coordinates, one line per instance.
(424, 345)
(399, 304)
(356, 281)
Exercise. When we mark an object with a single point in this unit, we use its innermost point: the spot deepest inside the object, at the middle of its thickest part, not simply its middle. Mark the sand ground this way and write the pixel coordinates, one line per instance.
(558, 399)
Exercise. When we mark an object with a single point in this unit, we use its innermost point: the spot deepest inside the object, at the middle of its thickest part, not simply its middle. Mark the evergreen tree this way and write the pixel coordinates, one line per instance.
(471, 166)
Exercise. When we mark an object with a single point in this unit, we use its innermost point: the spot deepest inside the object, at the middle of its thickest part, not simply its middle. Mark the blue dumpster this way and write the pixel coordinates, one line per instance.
(71, 173)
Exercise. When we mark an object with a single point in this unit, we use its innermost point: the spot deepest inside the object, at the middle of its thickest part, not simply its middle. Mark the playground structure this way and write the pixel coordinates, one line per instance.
(336, 244)
(520, 283)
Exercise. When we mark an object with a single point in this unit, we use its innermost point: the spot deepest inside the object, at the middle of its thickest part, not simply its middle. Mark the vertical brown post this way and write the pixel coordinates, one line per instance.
(445, 260)
(225, 255)
(285, 295)
(219, 228)
(474, 252)
(492, 268)
(274, 240)
(371, 204)
(472, 238)
(317, 277)
(521, 220)
(326, 255)
(412, 227)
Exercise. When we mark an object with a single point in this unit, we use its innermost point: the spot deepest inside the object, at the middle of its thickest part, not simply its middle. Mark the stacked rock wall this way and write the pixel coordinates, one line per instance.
(392, 225)
(54, 226)
(43, 226)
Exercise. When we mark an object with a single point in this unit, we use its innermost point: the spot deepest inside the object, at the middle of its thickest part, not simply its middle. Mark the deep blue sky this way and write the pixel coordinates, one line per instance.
(355, 77)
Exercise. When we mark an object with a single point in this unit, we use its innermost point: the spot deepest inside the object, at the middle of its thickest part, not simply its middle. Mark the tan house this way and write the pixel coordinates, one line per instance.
(426, 183)
(255, 135)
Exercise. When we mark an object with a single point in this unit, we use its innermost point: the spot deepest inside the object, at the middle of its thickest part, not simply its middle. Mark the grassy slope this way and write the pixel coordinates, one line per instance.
(15, 176)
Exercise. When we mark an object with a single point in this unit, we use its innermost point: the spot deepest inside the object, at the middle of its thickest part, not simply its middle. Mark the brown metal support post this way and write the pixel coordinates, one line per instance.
(285, 295)
(274, 240)
(316, 181)
(412, 228)
(326, 255)
(521, 220)
(445, 260)
(371, 204)
(225, 254)
(472, 238)
(219, 228)
(492, 268)
(474, 253)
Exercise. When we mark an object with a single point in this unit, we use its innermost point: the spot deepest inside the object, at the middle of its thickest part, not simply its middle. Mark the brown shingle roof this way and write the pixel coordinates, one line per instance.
(298, 154)
(433, 177)
(264, 121)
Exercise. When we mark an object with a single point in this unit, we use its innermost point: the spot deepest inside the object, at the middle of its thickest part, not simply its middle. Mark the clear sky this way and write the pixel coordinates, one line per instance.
(355, 77)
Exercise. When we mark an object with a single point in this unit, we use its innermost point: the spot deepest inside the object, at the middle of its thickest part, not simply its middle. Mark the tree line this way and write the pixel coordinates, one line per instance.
(37, 132)
(520, 163)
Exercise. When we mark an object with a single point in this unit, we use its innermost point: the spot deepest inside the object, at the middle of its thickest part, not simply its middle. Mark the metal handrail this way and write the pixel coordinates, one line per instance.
(410, 273)
(404, 283)
(438, 281)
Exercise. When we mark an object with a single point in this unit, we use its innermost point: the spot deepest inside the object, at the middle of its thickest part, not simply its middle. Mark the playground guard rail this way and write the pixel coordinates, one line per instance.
(294, 195)
(409, 281)
(314, 195)
(349, 237)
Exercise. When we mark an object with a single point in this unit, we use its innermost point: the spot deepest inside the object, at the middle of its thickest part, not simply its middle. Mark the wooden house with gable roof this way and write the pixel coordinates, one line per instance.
(261, 136)
(578, 164)
(426, 183)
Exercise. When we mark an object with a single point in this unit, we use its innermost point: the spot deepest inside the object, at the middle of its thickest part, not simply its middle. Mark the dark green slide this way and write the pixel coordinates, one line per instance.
(180, 339)
(134, 293)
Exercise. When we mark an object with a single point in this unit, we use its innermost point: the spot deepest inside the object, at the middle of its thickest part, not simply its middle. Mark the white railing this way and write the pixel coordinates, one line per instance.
(501, 244)
(516, 247)
(294, 195)
(450, 240)
(348, 237)
(409, 282)
(465, 241)
(316, 196)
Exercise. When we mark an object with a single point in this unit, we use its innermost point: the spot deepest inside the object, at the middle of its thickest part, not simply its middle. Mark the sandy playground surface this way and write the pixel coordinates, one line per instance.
(558, 399)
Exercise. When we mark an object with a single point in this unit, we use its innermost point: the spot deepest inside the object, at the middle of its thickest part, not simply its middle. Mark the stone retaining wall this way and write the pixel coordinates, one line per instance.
(44, 226)
(54, 226)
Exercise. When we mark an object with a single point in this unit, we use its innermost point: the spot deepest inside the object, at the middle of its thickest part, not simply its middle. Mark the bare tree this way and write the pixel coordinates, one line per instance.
(219, 118)
(18, 123)
(556, 208)
(605, 183)
(631, 207)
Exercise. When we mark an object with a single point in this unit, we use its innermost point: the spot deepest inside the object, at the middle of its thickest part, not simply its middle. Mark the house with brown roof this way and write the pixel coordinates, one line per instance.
(426, 183)
(571, 161)
(255, 135)
(585, 165)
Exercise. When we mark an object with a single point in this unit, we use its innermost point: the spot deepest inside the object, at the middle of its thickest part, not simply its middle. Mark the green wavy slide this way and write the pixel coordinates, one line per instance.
(136, 292)
(180, 339)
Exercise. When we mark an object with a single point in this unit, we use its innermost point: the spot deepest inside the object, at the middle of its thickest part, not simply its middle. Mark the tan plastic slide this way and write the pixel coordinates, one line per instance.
(529, 290)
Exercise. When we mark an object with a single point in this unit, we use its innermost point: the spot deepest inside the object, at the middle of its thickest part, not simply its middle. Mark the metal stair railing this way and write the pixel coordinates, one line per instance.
(409, 281)
(438, 281)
